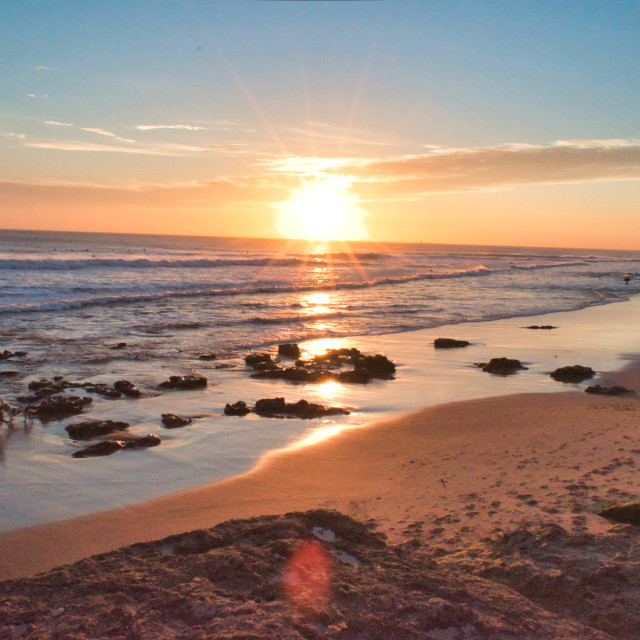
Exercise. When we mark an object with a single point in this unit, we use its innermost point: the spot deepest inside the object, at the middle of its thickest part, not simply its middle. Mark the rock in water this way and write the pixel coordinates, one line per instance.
(191, 381)
(501, 366)
(94, 429)
(289, 350)
(58, 407)
(173, 420)
(450, 343)
(596, 389)
(105, 448)
(239, 408)
(573, 373)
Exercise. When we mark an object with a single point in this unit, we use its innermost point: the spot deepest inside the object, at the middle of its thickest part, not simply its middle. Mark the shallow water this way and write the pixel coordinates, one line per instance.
(41, 482)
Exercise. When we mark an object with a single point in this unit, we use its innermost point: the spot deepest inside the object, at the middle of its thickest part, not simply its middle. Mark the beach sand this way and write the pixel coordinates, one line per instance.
(447, 475)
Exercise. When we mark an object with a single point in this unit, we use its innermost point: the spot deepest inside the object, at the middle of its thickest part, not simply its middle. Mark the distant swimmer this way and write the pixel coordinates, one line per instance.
(627, 278)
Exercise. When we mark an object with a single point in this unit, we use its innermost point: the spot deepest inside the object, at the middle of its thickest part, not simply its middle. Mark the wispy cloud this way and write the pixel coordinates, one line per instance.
(443, 170)
(181, 127)
(58, 124)
(225, 148)
(109, 134)
(43, 67)
(88, 146)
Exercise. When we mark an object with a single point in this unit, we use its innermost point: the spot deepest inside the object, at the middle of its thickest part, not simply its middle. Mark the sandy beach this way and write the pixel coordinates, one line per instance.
(448, 476)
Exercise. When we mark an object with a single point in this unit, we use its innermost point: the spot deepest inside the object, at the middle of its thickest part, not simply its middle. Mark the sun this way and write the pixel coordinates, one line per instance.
(322, 209)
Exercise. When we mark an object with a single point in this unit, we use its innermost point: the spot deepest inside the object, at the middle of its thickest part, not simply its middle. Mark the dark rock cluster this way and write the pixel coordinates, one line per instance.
(450, 343)
(174, 421)
(320, 368)
(573, 373)
(279, 408)
(107, 447)
(190, 381)
(94, 429)
(7, 355)
(316, 575)
(501, 366)
(616, 390)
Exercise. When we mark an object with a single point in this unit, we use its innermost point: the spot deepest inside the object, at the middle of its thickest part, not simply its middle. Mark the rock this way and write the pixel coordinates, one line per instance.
(323, 367)
(6, 354)
(208, 356)
(272, 407)
(501, 366)
(338, 357)
(9, 374)
(127, 388)
(105, 448)
(191, 381)
(173, 420)
(289, 350)
(607, 391)
(573, 373)
(94, 429)
(450, 343)
(541, 326)
(149, 440)
(58, 407)
(259, 361)
(377, 366)
(120, 345)
(628, 512)
(239, 408)
(101, 389)
(108, 447)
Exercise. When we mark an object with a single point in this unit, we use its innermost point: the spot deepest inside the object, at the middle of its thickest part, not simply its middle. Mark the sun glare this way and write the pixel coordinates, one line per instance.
(322, 210)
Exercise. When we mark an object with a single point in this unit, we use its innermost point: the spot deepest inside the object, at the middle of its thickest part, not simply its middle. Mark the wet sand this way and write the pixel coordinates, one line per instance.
(446, 475)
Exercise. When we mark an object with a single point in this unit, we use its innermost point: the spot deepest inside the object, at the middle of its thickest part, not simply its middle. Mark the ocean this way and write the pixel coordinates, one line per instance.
(66, 299)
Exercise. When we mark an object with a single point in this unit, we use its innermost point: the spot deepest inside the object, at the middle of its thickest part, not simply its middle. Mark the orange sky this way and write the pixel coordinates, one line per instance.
(445, 122)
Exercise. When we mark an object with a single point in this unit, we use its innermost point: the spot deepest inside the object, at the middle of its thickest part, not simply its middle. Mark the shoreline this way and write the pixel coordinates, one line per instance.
(553, 457)
(41, 483)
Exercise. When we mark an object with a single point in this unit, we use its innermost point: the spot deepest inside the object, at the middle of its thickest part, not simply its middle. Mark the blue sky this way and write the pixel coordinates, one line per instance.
(100, 100)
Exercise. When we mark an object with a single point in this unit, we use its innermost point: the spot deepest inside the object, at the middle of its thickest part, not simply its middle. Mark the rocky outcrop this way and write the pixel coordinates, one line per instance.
(328, 366)
(546, 327)
(289, 350)
(174, 421)
(628, 512)
(259, 361)
(107, 447)
(501, 366)
(207, 356)
(450, 343)
(7, 355)
(100, 449)
(58, 407)
(276, 407)
(44, 388)
(616, 390)
(190, 381)
(127, 388)
(573, 373)
(315, 575)
(94, 429)
(279, 408)
(239, 408)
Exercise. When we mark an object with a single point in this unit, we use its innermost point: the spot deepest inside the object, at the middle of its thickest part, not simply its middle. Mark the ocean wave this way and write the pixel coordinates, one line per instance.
(150, 296)
(31, 264)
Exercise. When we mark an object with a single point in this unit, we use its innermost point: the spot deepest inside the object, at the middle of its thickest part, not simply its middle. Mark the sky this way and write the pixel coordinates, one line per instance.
(502, 122)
